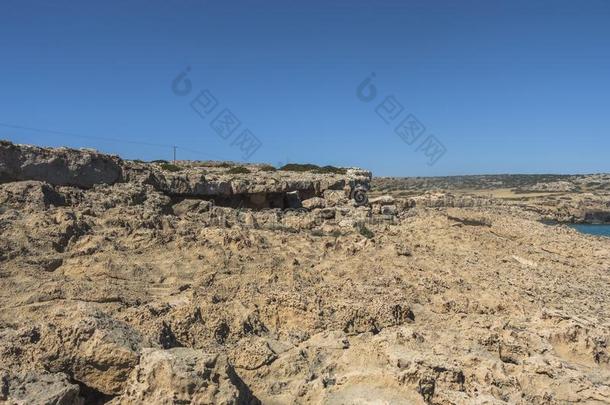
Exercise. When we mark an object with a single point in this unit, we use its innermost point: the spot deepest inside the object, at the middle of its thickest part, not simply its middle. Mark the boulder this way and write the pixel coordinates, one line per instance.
(96, 350)
(186, 376)
(38, 387)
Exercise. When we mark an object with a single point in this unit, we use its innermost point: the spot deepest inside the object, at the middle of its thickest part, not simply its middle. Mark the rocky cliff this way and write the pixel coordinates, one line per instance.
(253, 186)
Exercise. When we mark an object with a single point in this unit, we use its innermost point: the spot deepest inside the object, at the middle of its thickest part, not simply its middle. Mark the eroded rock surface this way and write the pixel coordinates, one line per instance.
(60, 166)
(252, 186)
(185, 376)
(27, 387)
(123, 293)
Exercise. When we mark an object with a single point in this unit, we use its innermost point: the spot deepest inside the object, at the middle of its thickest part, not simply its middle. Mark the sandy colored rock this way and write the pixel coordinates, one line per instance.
(29, 195)
(60, 166)
(184, 375)
(453, 298)
(27, 387)
(251, 187)
(315, 202)
(97, 351)
(191, 205)
(382, 200)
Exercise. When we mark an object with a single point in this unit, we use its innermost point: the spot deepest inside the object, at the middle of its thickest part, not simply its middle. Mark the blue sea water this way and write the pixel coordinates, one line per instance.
(601, 230)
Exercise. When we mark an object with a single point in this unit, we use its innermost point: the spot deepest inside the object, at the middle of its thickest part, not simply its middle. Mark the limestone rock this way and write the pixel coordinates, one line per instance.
(29, 194)
(382, 200)
(334, 197)
(183, 375)
(60, 166)
(95, 350)
(253, 353)
(305, 307)
(37, 387)
(325, 213)
(191, 205)
(249, 188)
(315, 202)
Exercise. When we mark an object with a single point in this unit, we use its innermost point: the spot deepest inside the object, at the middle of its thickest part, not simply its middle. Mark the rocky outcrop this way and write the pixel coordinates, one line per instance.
(251, 186)
(559, 198)
(125, 293)
(30, 195)
(59, 166)
(596, 216)
(185, 376)
(256, 189)
(573, 207)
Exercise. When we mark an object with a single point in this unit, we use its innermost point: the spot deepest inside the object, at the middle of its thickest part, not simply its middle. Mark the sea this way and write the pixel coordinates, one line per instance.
(593, 229)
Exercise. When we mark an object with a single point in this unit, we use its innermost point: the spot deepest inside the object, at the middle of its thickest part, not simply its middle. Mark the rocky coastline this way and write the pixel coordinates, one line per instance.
(127, 282)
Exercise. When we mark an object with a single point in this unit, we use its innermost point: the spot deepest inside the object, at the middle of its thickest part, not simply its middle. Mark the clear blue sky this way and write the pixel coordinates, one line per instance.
(506, 86)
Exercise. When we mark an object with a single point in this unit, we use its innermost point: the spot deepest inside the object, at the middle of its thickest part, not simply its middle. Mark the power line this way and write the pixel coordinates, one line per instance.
(108, 139)
(99, 138)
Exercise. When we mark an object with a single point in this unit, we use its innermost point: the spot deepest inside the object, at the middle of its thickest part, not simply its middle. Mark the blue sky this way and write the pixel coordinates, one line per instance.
(504, 86)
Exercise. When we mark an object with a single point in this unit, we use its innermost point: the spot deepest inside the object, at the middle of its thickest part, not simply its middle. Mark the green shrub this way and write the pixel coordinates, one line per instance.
(308, 167)
(298, 167)
(159, 161)
(267, 168)
(169, 167)
(238, 170)
(331, 169)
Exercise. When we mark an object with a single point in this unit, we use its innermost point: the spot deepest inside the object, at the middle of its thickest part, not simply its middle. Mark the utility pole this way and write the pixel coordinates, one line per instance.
(174, 154)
